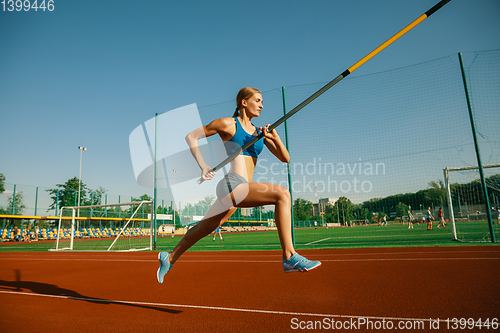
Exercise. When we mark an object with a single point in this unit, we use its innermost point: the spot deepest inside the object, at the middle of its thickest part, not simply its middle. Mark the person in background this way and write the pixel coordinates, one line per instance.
(441, 218)
(410, 220)
(430, 218)
(217, 231)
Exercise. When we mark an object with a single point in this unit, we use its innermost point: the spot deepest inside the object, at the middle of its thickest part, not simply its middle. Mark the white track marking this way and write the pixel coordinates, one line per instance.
(410, 259)
(249, 261)
(215, 308)
(324, 239)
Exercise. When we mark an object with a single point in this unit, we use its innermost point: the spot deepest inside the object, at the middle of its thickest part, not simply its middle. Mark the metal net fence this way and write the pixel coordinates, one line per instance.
(367, 158)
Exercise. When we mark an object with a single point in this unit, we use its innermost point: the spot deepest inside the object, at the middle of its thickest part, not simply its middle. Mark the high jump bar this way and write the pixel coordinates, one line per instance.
(330, 84)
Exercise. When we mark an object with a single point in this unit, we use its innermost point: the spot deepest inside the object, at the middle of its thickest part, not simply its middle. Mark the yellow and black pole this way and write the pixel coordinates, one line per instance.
(330, 84)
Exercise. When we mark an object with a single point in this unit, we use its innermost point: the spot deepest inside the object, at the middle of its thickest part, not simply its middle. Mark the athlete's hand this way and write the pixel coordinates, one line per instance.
(271, 135)
(207, 173)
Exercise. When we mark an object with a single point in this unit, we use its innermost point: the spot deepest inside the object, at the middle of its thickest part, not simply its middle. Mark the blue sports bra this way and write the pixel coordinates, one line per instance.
(240, 138)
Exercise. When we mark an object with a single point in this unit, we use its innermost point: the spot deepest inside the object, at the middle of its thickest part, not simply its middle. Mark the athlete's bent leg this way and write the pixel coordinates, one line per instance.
(217, 213)
(260, 194)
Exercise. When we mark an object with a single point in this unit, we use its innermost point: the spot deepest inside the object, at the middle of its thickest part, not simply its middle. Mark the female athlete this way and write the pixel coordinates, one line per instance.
(236, 189)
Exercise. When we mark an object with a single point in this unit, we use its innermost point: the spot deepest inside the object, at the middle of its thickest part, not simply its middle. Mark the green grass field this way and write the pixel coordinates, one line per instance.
(359, 236)
(308, 238)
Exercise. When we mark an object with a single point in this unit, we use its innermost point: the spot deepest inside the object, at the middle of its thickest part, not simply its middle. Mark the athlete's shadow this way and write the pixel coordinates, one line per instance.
(53, 290)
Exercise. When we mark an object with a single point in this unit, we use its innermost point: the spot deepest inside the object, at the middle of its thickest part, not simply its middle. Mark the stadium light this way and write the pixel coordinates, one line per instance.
(80, 177)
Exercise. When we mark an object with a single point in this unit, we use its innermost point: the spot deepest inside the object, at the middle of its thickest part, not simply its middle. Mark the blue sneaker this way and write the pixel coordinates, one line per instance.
(164, 265)
(299, 263)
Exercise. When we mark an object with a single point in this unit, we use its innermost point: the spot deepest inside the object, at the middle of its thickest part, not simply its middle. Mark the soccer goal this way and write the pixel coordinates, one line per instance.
(112, 227)
(467, 209)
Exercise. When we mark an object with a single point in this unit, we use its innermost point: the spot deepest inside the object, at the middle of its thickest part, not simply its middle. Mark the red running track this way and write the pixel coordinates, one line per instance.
(248, 291)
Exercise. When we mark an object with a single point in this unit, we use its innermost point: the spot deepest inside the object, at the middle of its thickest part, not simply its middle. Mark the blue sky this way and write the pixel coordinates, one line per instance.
(90, 72)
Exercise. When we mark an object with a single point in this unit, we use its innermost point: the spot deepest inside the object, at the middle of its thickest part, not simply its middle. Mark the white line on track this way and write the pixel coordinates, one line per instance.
(346, 260)
(324, 239)
(406, 252)
(215, 308)
(248, 261)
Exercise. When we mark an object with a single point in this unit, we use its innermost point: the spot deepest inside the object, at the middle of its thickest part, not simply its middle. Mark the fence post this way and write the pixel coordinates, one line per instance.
(91, 209)
(14, 201)
(57, 202)
(478, 153)
(288, 168)
(153, 210)
(36, 199)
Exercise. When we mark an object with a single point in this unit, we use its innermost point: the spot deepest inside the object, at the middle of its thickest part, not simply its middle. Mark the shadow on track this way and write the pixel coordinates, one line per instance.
(52, 290)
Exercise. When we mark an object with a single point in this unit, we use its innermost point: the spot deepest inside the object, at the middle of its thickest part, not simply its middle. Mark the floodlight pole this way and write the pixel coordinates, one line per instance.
(80, 178)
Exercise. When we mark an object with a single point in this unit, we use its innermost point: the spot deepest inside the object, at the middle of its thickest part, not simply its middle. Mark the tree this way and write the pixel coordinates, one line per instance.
(143, 197)
(344, 209)
(361, 213)
(365, 214)
(67, 194)
(16, 203)
(96, 196)
(258, 212)
(2, 189)
(401, 209)
(437, 192)
(2, 183)
(188, 209)
(145, 208)
(208, 200)
(302, 209)
(201, 207)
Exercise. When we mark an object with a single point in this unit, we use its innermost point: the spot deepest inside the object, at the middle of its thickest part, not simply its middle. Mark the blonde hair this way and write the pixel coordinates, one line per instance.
(244, 93)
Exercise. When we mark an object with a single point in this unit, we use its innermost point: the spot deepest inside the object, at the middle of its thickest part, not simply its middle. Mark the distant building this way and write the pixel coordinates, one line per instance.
(245, 211)
(320, 207)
